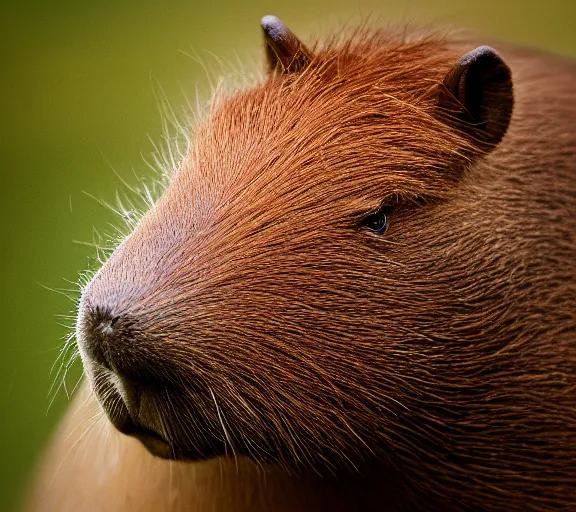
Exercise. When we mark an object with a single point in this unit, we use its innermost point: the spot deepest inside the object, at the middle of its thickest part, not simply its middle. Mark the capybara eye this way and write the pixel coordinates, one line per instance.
(378, 221)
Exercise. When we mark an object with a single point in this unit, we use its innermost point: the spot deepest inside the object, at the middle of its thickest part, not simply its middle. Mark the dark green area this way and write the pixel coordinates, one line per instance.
(78, 105)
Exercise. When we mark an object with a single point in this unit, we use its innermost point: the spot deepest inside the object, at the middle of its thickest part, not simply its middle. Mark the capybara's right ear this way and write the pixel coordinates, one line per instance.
(476, 97)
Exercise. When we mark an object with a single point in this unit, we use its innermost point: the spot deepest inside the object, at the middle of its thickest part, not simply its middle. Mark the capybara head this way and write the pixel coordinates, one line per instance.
(340, 273)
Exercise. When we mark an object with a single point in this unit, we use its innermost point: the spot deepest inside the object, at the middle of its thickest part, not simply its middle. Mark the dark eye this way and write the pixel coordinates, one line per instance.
(378, 221)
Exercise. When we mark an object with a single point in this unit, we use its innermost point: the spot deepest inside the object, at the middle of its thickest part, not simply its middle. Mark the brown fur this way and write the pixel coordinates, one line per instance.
(429, 368)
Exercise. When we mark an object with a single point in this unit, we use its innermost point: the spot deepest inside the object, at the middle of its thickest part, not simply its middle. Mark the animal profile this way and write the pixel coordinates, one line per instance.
(357, 292)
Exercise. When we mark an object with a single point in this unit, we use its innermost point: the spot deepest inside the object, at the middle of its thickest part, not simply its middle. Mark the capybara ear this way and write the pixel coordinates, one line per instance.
(285, 53)
(476, 97)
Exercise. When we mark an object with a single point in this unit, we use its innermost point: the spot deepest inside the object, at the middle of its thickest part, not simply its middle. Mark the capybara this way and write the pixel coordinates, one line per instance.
(357, 292)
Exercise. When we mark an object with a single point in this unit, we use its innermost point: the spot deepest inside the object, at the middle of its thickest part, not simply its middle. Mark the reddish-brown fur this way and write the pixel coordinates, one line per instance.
(432, 367)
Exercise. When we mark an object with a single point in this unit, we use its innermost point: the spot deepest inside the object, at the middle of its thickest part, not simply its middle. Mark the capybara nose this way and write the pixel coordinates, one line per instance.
(98, 335)
(107, 346)
(106, 342)
(119, 368)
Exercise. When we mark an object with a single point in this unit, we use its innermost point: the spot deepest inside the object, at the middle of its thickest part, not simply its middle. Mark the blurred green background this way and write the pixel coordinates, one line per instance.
(78, 106)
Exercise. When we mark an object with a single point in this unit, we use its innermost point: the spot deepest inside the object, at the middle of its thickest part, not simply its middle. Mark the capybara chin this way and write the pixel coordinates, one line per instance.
(357, 292)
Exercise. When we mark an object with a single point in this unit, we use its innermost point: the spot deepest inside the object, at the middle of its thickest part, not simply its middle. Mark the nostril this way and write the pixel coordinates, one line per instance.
(103, 319)
(99, 330)
(106, 328)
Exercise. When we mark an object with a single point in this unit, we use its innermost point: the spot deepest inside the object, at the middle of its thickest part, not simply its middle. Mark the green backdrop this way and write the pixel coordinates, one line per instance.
(77, 110)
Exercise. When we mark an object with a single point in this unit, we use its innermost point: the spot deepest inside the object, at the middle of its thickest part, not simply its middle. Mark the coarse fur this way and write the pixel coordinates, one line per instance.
(328, 367)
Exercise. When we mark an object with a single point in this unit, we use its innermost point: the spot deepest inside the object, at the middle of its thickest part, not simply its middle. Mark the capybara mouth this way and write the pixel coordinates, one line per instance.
(119, 415)
(154, 442)
(159, 445)
(125, 417)
(128, 416)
